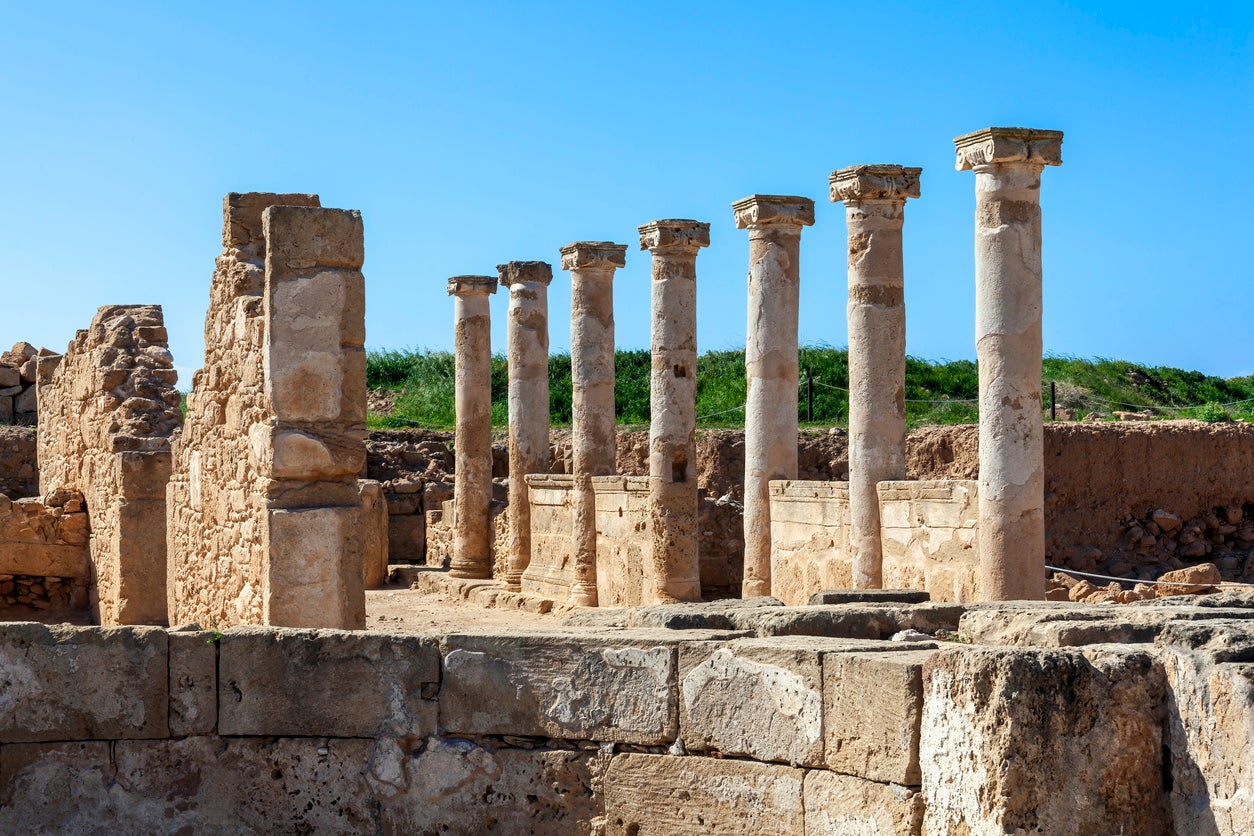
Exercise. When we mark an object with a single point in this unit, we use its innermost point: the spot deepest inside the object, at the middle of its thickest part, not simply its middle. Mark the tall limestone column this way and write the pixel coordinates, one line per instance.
(1007, 163)
(774, 223)
(472, 488)
(673, 407)
(527, 347)
(591, 265)
(875, 201)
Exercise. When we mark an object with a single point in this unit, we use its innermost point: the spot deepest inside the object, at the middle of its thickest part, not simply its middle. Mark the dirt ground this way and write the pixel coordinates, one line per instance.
(396, 608)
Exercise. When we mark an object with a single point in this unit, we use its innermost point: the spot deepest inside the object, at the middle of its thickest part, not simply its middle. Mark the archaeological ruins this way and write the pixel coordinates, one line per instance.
(767, 631)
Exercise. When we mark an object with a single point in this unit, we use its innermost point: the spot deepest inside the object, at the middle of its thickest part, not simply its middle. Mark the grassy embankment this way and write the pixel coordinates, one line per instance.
(936, 392)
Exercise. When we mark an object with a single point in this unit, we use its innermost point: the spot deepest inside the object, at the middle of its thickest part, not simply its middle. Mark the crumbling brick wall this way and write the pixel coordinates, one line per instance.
(107, 409)
(266, 525)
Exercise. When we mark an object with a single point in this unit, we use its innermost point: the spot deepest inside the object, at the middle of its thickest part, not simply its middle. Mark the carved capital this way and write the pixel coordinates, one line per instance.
(470, 285)
(874, 182)
(1008, 145)
(670, 235)
(773, 210)
(525, 272)
(585, 254)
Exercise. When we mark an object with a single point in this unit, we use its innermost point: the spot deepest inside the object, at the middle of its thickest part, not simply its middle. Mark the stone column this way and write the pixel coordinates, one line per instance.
(472, 488)
(1007, 163)
(774, 223)
(527, 347)
(593, 440)
(875, 201)
(673, 407)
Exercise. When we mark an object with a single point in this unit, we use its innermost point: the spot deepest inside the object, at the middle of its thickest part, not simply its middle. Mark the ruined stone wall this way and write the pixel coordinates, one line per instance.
(636, 731)
(107, 409)
(266, 520)
(625, 568)
(44, 557)
(928, 531)
(551, 571)
(19, 371)
(19, 468)
(809, 539)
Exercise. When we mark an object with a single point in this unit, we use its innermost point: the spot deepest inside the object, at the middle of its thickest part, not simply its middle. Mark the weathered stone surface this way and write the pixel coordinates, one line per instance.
(929, 531)
(872, 708)
(326, 682)
(1043, 740)
(407, 538)
(868, 596)
(662, 794)
(375, 531)
(193, 682)
(1210, 724)
(626, 570)
(809, 539)
(612, 687)
(1065, 624)
(551, 569)
(842, 805)
(43, 671)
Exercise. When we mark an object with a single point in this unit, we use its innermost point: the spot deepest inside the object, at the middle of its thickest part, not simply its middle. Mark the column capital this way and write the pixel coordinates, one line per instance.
(584, 254)
(773, 210)
(858, 183)
(525, 272)
(470, 285)
(670, 235)
(1008, 145)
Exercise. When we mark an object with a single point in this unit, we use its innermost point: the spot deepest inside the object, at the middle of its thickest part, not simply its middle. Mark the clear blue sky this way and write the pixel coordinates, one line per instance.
(473, 134)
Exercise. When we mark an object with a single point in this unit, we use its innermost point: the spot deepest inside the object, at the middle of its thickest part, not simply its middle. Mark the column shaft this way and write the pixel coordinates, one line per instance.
(472, 493)
(774, 226)
(527, 346)
(1008, 164)
(673, 407)
(593, 436)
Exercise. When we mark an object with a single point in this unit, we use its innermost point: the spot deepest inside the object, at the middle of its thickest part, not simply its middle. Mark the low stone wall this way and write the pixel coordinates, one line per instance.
(44, 559)
(551, 571)
(809, 539)
(634, 731)
(928, 535)
(625, 571)
(19, 469)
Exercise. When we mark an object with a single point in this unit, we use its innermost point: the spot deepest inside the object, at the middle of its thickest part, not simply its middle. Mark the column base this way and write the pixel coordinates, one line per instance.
(755, 589)
(513, 581)
(472, 572)
(581, 595)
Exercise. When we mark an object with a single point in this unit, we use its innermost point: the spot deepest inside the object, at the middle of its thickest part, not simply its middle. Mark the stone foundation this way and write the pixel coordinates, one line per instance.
(638, 730)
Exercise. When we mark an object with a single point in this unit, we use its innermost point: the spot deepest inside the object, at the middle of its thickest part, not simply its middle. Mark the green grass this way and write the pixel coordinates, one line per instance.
(936, 392)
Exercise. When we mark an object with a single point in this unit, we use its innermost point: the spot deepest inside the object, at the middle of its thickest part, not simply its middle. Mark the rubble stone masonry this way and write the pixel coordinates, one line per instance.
(107, 410)
(266, 516)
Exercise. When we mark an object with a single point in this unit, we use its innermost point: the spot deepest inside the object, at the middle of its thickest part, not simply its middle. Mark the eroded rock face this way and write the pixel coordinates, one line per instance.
(1048, 741)
(108, 408)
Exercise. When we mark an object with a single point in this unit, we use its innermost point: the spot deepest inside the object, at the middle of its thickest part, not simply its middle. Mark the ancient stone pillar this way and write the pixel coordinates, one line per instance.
(875, 201)
(591, 265)
(527, 346)
(774, 223)
(472, 488)
(673, 407)
(1007, 163)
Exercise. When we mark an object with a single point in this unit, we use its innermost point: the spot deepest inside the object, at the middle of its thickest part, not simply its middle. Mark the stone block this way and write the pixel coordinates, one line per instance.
(9, 377)
(27, 401)
(664, 794)
(407, 538)
(193, 682)
(843, 804)
(872, 707)
(299, 238)
(868, 596)
(612, 687)
(462, 786)
(35, 784)
(809, 539)
(315, 572)
(18, 558)
(375, 530)
(241, 214)
(43, 671)
(1046, 741)
(326, 682)
(143, 474)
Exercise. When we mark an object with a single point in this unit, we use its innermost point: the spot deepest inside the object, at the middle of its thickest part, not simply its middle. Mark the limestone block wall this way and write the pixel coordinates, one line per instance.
(809, 539)
(44, 558)
(626, 575)
(107, 410)
(266, 517)
(928, 536)
(551, 571)
(640, 731)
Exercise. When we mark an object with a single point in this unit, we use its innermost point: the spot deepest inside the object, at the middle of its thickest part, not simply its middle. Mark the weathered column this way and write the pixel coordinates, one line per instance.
(527, 347)
(875, 201)
(472, 488)
(1007, 164)
(774, 223)
(591, 265)
(673, 407)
